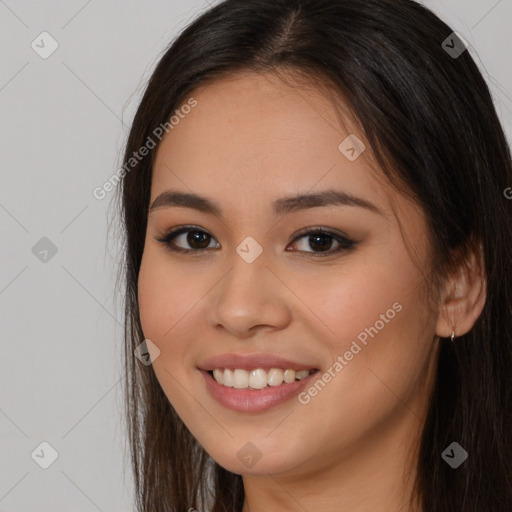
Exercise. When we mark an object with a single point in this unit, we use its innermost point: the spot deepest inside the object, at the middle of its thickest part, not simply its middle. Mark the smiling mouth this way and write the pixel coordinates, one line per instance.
(258, 378)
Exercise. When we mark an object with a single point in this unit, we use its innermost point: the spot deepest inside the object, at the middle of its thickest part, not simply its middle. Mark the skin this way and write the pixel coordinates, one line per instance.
(353, 445)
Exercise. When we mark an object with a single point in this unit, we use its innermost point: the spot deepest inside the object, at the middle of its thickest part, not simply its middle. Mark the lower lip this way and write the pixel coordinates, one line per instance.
(254, 400)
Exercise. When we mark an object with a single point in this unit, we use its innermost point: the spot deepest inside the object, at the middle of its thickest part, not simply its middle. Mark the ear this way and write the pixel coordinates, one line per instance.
(463, 297)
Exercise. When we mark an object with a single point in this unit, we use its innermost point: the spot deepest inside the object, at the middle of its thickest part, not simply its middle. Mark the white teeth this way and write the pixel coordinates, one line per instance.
(227, 378)
(258, 378)
(289, 376)
(240, 379)
(219, 376)
(274, 377)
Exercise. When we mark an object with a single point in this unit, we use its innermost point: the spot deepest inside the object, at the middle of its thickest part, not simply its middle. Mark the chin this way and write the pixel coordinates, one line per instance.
(258, 458)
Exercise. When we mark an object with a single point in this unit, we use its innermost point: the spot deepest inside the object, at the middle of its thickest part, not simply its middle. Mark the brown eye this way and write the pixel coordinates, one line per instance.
(197, 237)
(194, 239)
(321, 241)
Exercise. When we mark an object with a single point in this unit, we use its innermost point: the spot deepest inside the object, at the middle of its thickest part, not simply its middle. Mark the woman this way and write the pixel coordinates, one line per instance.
(318, 250)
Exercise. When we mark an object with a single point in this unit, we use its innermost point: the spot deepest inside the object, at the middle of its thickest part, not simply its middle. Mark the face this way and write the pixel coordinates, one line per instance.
(311, 313)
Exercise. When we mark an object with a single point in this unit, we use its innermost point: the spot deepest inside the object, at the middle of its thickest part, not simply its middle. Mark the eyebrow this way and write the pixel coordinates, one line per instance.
(281, 206)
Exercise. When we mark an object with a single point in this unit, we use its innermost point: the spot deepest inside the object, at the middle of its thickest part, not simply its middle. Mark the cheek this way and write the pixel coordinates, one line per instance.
(348, 303)
(164, 297)
(169, 302)
(153, 298)
(164, 302)
(375, 317)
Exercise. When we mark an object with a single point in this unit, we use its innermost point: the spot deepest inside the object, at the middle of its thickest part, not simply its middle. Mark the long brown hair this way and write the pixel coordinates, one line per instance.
(430, 121)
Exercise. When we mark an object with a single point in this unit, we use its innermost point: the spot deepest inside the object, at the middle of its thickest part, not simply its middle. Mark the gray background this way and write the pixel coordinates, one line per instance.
(64, 120)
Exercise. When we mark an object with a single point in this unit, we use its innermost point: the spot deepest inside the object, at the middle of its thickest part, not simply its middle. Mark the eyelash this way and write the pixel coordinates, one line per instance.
(345, 243)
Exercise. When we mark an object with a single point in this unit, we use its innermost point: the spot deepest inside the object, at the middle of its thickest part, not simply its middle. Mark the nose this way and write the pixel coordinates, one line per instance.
(249, 298)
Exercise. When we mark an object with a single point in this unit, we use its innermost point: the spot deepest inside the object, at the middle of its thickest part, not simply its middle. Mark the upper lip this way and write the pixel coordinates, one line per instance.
(252, 361)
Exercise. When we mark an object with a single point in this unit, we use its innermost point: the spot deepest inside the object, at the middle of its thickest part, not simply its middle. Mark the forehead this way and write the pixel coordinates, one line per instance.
(253, 135)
